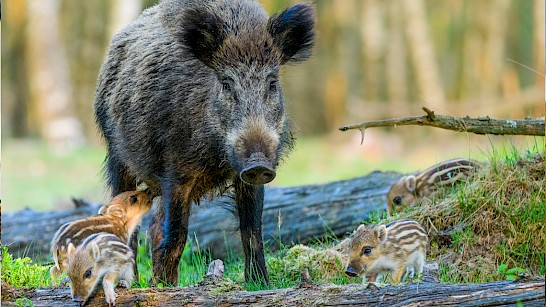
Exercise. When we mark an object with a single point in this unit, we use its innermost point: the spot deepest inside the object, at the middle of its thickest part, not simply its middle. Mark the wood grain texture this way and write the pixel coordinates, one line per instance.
(507, 293)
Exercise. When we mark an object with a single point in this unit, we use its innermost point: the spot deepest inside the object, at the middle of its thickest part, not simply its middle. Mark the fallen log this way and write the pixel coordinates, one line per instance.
(524, 293)
(291, 215)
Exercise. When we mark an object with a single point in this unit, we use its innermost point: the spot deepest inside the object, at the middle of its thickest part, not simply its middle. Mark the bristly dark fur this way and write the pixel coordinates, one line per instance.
(188, 100)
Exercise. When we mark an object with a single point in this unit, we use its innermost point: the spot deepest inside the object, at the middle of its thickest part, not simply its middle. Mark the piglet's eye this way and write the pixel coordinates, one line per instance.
(87, 274)
(366, 251)
(134, 199)
(397, 200)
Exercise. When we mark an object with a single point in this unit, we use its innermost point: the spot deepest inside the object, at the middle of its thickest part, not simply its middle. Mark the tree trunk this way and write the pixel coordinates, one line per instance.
(291, 215)
(529, 293)
(51, 88)
(423, 54)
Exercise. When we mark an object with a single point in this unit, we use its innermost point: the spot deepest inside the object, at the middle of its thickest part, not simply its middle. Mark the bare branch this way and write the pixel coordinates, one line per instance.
(480, 125)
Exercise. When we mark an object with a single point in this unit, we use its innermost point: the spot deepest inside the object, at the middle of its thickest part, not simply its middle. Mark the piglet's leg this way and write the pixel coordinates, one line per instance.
(108, 287)
(126, 276)
(397, 275)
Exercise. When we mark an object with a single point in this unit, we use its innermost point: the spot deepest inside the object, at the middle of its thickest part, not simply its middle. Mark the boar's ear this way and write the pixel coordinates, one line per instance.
(292, 32)
(411, 183)
(202, 32)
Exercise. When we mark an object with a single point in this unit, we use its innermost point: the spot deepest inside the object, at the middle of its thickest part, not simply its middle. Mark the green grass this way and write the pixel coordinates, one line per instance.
(497, 216)
(22, 273)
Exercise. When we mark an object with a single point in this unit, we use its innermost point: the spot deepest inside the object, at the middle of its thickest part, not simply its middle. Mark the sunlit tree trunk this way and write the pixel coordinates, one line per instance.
(538, 39)
(50, 85)
(122, 13)
(372, 31)
(493, 57)
(423, 54)
(396, 58)
(14, 85)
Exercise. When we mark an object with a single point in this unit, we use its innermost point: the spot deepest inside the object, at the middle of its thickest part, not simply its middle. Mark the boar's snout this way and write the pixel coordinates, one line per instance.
(257, 170)
(258, 174)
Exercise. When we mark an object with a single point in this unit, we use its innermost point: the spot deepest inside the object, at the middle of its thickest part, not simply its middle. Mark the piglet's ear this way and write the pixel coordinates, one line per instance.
(381, 231)
(411, 183)
(292, 32)
(70, 251)
(197, 29)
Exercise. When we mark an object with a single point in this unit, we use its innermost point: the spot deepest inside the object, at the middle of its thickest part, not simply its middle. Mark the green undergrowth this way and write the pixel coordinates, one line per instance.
(495, 221)
(495, 226)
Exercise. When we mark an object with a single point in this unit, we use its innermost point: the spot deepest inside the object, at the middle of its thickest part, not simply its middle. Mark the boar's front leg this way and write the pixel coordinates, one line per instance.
(250, 200)
(169, 231)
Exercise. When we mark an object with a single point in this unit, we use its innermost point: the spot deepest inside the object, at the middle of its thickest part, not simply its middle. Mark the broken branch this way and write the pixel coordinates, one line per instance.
(480, 125)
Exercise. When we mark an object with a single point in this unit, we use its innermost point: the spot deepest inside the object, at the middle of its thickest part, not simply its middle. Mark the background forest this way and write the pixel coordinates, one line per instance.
(373, 59)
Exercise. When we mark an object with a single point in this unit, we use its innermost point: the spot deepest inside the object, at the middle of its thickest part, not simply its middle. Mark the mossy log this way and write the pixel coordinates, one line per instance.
(291, 215)
(507, 293)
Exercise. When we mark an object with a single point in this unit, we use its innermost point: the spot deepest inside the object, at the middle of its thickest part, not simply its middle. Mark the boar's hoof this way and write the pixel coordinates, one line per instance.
(258, 174)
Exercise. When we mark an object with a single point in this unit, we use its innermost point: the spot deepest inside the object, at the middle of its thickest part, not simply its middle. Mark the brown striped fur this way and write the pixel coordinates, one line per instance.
(101, 257)
(120, 217)
(409, 189)
(395, 248)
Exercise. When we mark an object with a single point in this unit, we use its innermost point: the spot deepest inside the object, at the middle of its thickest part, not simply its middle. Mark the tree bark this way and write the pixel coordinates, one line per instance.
(480, 125)
(528, 293)
(291, 215)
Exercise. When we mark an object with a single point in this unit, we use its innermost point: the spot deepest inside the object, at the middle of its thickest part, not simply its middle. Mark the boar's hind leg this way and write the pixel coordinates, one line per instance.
(169, 231)
(117, 176)
(250, 200)
(120, 180)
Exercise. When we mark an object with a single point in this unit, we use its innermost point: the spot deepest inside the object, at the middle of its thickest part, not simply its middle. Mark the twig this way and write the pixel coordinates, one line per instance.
(480, 125)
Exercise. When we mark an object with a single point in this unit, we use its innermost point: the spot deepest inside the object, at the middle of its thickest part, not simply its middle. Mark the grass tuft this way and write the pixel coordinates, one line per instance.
(493, 220)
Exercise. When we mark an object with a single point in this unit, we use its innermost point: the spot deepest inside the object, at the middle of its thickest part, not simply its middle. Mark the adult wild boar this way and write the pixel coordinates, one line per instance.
(189, 101)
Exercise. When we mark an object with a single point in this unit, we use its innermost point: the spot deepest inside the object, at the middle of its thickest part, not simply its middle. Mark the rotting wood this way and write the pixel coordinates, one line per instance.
(528, 293)
(480, 125)
(291, 214)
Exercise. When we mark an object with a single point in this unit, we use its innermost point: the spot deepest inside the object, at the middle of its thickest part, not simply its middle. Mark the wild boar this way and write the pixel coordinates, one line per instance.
(189, 102)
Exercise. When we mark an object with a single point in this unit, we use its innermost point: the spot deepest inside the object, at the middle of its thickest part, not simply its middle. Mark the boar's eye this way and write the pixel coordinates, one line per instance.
(134, 199)
(366, 251)
(227, 86)
(273, 85)
(87, 274)
(397, 200)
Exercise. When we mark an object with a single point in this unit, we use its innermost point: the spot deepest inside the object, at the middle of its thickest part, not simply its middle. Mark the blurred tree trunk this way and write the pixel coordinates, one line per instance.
(539, 41)
(423, 54)
(50, 85)
(122, 13)
(396, 58)
(14, 87)
(493, 57)
(87, 28)
(373, 45)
